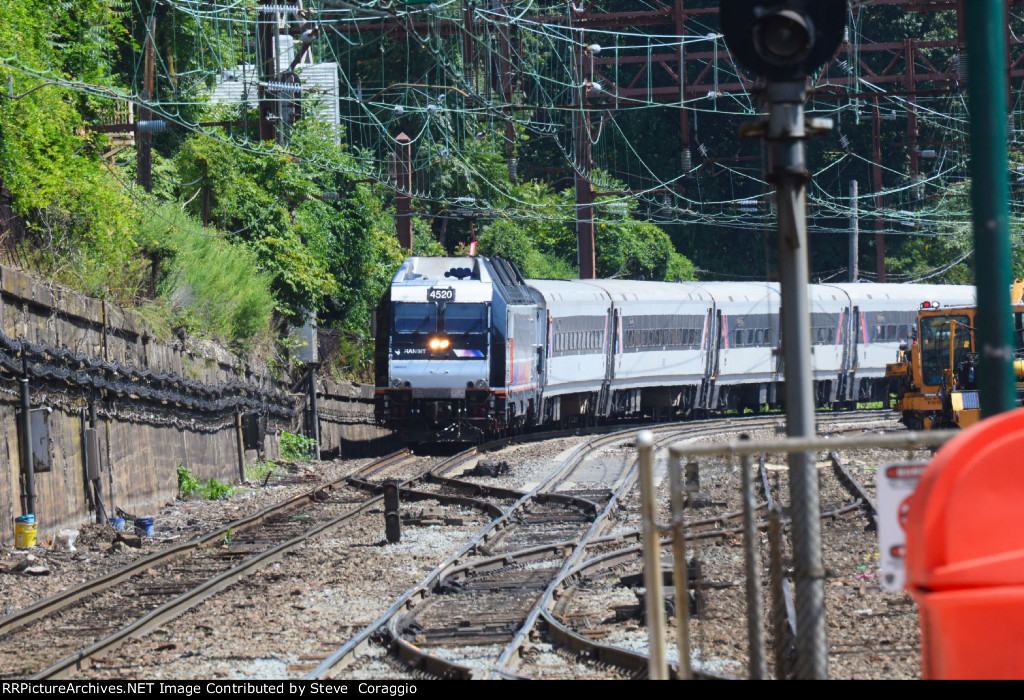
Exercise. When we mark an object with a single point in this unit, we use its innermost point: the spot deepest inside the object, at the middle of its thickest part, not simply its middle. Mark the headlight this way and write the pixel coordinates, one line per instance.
(396, 382)
(438, 344)
(481, 383)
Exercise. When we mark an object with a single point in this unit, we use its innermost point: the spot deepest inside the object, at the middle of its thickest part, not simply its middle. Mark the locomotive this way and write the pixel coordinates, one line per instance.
(467, 349)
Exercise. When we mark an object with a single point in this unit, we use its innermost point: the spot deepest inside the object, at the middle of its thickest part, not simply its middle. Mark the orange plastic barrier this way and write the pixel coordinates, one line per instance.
(965, 553)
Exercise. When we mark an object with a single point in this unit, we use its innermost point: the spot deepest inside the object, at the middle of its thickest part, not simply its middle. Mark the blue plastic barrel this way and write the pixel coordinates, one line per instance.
(144, 526)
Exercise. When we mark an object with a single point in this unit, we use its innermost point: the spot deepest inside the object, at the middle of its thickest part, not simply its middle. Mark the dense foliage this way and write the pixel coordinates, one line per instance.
(240, 239)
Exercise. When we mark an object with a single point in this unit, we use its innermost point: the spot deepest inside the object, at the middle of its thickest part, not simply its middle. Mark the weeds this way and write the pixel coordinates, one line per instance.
(211, 490)
(297, 447)
(260, 472)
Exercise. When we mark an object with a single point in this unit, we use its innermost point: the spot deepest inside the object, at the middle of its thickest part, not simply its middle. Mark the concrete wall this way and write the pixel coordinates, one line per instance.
(141, 443)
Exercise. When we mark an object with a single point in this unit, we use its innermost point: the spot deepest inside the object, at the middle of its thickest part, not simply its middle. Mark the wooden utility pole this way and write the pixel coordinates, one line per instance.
(403, 200)
(266, 35)
(584, 190)
(144, 170)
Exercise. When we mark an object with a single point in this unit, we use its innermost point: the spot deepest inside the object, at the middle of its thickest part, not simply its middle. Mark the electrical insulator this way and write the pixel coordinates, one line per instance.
(686, 158)
(149, 126)
(513, 170)
(962, 68)
(277, 86)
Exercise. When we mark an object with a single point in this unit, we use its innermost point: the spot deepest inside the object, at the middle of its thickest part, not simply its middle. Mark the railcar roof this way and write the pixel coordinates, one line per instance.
(419, 270)
(570, 291)
(915, 293)
(636, 290)
(725, 292)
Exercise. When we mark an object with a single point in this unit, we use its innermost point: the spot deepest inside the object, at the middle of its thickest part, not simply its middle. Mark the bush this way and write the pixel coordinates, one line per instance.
(297, 447)
(209, 285)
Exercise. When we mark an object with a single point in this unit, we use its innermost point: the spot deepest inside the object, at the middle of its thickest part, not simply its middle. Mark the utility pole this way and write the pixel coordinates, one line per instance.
(854, 232)
(990, 193)
(585, 245)
(403, 200)
(144, 170)
(265, 40)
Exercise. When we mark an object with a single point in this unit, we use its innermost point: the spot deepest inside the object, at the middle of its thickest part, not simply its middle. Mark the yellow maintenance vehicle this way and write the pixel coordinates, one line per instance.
(936, 376)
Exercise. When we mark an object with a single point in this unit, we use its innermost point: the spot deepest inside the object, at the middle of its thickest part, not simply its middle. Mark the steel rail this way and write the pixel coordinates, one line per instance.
(177, 606)
(853, 484)
(425, 661)
(345, 654)
(102, 583)
(626, 482)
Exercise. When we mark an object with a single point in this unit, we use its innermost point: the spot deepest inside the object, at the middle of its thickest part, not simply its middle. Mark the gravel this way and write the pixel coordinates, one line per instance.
(281, 622)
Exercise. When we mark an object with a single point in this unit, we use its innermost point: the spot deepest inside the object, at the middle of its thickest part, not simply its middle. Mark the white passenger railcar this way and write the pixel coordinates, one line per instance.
(466, 348)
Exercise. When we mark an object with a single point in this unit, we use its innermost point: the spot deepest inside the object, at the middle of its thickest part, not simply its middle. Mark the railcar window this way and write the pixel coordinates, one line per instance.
(413, 317)
(463, 319)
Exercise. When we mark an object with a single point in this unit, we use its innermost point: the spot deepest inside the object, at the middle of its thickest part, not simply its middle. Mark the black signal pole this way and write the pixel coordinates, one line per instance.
(785, 42)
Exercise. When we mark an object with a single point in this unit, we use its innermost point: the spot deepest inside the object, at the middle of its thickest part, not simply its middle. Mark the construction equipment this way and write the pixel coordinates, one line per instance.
(935, 377)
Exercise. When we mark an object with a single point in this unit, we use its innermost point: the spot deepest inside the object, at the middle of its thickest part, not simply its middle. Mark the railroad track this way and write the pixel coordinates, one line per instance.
(540, 529)
(613, 661)
(492, 593)
(61, 634)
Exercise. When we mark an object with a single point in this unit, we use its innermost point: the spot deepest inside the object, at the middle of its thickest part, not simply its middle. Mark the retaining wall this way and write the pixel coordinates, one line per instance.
(141, 440)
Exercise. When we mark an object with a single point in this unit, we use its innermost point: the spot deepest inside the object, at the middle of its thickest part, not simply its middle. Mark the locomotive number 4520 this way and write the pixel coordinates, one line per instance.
(441, 294)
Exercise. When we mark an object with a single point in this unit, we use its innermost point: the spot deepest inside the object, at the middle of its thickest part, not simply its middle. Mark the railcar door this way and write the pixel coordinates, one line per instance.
(710, 345)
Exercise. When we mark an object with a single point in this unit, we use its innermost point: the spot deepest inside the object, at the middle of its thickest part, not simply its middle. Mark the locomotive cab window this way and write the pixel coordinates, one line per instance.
(413, 317)
(939, 349)
(464, 319)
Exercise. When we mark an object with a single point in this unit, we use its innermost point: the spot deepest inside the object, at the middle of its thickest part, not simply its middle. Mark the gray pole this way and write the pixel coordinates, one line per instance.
(680, 575)
(315, 410)
(752, 557)
(854, 232)
(786, 132)
(654, 599)
(27, 462)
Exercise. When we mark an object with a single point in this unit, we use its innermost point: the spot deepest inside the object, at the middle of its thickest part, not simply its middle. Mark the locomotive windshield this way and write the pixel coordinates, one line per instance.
(413, 317)
(936, 337)
(463, 319)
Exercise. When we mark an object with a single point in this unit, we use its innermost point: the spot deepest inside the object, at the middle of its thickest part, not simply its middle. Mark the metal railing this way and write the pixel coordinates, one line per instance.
(743, 449)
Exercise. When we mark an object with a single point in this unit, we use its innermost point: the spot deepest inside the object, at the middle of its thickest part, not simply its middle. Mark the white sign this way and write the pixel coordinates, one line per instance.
(896, 483)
